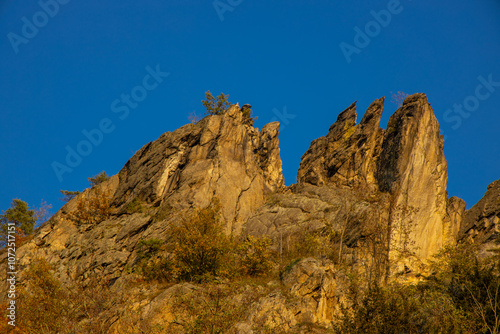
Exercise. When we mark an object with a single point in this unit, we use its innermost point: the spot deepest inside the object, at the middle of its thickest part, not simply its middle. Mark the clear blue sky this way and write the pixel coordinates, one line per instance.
(71, 67)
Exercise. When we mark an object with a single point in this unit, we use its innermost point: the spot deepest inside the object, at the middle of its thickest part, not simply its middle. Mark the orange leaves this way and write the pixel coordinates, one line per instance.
(92, 207)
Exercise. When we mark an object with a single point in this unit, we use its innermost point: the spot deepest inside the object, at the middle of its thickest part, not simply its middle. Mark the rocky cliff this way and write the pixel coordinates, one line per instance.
(219, 157)
(481, 224)
(372, 198)
(405, 161)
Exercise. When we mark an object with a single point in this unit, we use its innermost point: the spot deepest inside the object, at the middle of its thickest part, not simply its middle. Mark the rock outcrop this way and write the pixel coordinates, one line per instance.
(481, 224)
(378, 196)
(220, 156)
(406, 161)
(456, 210)
(315, 287)
(413, 168)
(346, 156)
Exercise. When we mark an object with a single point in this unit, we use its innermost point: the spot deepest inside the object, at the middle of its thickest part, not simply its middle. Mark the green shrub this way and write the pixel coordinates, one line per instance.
(147, 248)
(69, 195)
(18, 217)
(247, 115)
(135, 206)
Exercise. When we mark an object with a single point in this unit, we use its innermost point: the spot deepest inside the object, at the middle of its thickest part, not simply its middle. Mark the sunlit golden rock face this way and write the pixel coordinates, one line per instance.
(368, 199)
(406, 161)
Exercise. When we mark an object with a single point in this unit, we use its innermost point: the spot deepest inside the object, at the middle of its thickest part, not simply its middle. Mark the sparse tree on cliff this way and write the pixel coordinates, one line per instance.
(98, 179)
(69, 195)
(21, 219)
(216, 106)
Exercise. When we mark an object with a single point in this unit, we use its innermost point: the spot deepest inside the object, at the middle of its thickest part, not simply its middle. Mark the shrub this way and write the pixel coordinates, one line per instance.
(135, 206)
(193, 118)
(199, 244)
(44, 306)
(20, 218)
(308, 242)
(158, 268)
(151, 265)
(462, 295)
(148, 248)
(473, 285)
(93, 207)
(213, 309)
(398, 98)
(247, 114)
(256, 255)
(381, 310)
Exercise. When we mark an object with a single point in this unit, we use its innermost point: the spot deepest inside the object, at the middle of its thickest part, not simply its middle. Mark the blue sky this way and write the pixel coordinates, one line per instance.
(68, 66)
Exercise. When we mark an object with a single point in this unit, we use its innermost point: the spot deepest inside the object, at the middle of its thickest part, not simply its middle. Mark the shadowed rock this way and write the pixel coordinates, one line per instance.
(481, 224)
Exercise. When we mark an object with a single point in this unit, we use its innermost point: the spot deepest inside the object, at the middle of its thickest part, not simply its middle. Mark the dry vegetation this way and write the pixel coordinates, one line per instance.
(461, 295)
(92, 207)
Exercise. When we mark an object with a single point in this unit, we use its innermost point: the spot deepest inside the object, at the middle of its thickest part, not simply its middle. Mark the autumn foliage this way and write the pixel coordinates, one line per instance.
(92, 207)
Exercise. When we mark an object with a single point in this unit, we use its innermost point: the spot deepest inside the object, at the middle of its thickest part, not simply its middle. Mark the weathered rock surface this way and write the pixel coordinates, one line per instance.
(308, 208)
(220, 156)
(314, 283)
(346, 155)
(314, 287)
(361, 185)
(456, 210)
(481, 224)
(406, 161)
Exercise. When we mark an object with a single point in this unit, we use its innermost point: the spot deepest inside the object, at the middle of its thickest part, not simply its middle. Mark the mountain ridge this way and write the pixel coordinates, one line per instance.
(370, 186)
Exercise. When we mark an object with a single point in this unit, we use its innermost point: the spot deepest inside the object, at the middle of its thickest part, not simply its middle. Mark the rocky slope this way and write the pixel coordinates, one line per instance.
(378, 195)
(219, 157)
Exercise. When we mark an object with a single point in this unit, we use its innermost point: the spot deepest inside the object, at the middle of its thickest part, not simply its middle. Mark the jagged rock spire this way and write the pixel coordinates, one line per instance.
(220, 156)
(406, 160)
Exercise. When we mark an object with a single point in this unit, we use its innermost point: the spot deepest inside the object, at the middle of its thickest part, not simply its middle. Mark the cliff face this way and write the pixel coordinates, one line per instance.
(379, 196)
(405, 161)
(413, 168)
(346, 156)
(481, 224)
(220, 156)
